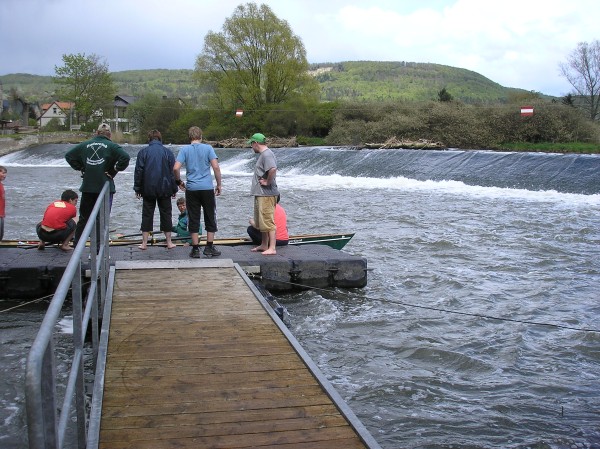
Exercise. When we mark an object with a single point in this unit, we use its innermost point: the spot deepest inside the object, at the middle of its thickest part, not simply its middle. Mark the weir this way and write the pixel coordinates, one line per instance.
(567, 173)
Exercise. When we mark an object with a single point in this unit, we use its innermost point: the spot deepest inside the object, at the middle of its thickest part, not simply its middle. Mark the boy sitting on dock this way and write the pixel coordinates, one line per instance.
(59, 222)
(181, 227)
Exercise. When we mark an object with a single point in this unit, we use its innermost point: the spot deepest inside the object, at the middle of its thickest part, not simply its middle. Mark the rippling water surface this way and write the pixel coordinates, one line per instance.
(478, 327)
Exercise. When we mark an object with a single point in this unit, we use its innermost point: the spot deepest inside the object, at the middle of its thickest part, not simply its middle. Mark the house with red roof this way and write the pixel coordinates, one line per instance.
(56, 110)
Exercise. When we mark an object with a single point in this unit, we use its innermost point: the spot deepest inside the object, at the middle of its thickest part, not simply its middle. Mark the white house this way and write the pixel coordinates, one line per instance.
(120, 122)
(57, 109)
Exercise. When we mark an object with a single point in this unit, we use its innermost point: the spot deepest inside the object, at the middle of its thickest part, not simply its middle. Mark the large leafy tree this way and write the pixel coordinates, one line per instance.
(153, 112)
(86, 82)
(582, 70)
(255, 60)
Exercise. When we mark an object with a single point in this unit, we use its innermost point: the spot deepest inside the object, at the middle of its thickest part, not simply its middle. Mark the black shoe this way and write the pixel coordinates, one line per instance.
(195, 252)
(211, 251)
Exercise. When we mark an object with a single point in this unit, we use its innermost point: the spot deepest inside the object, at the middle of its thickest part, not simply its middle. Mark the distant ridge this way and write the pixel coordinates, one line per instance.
(400, 80)
(349, 80)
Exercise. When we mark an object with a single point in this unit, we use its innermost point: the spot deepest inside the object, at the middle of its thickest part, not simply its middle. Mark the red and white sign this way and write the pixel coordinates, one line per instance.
(239, 113)
(526, 111)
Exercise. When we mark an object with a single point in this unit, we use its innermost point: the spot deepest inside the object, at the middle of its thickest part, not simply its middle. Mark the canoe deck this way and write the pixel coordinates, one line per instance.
(201, 363)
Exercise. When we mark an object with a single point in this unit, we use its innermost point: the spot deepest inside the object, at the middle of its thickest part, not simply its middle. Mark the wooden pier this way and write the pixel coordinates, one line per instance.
(196, 358)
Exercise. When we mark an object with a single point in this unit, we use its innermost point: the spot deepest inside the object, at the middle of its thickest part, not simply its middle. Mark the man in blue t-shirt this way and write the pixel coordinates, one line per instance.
(198, 159)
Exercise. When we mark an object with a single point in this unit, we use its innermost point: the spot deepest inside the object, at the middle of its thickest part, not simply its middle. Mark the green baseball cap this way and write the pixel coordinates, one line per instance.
(258, 137)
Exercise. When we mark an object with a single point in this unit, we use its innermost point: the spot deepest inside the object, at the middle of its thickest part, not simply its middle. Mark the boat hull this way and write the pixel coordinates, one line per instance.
(335, 241)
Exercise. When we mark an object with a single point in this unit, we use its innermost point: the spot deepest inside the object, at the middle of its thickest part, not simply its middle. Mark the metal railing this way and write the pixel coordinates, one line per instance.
(48, 423)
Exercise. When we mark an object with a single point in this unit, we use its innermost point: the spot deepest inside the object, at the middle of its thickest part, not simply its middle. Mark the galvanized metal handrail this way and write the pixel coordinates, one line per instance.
(47, 428)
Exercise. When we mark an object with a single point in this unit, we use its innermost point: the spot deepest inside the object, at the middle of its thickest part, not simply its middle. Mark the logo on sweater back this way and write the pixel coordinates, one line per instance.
(95, 158)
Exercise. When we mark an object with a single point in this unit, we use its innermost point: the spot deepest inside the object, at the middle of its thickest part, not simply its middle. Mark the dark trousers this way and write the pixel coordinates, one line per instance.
(164, 209)
(195, 201)
(86, 206)
(256, 237)
(56, 236)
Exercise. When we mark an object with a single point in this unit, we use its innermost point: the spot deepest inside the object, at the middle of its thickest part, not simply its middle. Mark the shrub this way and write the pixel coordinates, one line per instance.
(54, 125)
(458, 125)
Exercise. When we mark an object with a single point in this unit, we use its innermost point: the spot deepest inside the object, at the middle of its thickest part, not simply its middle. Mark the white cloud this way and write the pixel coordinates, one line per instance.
(516, 43)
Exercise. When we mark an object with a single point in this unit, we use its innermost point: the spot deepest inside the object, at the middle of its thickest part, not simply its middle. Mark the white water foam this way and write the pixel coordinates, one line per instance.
(295, 180)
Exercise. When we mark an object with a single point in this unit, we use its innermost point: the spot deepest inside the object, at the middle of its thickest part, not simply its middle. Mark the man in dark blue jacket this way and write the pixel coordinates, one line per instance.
(154, 182)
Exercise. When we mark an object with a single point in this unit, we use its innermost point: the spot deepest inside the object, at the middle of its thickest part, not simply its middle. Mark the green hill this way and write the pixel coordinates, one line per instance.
(163, 82)
(31, 88)
(410, 81)
(355, 80)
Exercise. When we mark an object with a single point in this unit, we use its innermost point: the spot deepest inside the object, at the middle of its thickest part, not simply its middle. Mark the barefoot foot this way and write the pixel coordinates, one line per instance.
(258, 249)
(269, 252)
(142, 247)
(170, 246)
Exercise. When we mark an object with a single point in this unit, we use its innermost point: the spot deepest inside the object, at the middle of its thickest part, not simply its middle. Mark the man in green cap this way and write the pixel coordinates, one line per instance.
(264, 189)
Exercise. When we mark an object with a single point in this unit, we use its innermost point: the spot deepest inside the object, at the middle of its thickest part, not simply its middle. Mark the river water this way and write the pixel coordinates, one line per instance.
(479, 324)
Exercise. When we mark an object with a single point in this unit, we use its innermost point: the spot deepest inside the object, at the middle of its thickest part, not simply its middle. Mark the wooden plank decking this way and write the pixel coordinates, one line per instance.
(195, 361)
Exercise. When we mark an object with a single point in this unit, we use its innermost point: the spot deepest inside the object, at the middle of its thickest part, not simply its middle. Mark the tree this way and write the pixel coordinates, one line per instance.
(582, 71)
(85, 81)
(142, 111)
(444, 95)
(568, 100)
(255, 60)
(54, 125)
(154, 112)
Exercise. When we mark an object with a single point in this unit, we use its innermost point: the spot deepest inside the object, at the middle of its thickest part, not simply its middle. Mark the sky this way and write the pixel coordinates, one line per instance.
(516, 43)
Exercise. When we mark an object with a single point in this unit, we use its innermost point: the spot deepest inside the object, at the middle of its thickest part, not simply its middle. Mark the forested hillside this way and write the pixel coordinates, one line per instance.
(168, 83)
(368, 80)
(353, 80)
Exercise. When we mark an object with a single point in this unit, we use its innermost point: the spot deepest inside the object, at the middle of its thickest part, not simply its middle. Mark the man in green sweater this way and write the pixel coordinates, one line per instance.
(99, 160)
